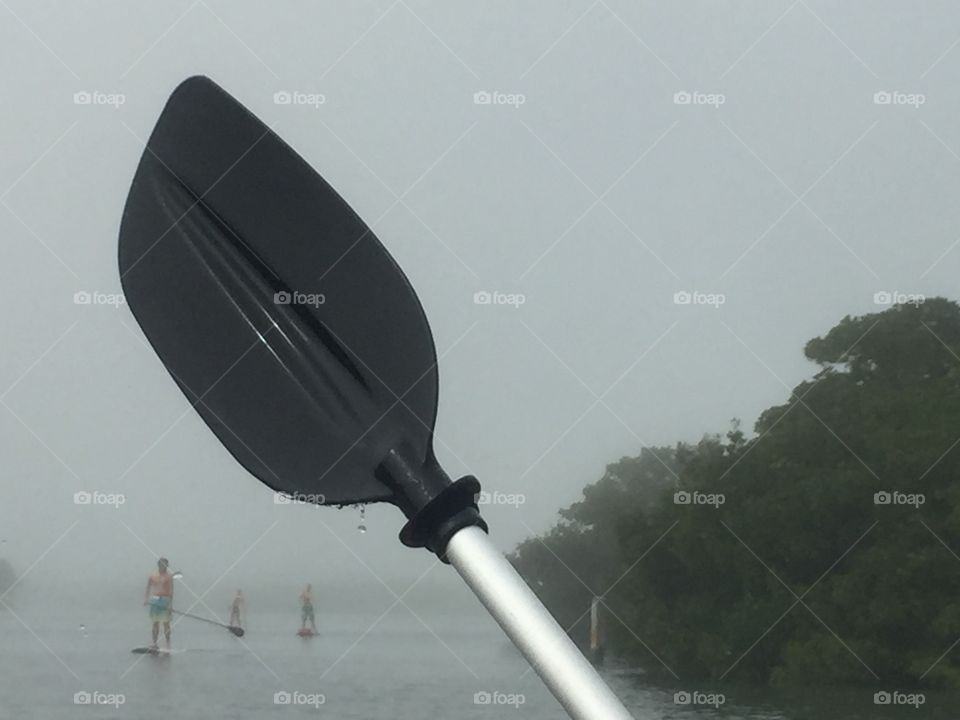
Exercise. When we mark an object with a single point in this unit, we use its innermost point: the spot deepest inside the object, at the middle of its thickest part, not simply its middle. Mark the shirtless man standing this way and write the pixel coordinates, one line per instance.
(237, 607)
(306, 609)
(159, 596)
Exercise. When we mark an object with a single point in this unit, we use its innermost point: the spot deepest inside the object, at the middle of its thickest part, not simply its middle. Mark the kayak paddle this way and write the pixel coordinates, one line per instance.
(300, 342)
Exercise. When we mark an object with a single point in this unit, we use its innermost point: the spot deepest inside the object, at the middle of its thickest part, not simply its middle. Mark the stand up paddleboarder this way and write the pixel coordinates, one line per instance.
(306, 609)
(237, 608)
(159, 597)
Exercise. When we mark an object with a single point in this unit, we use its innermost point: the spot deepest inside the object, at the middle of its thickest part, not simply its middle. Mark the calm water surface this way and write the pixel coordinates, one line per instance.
(359, 667)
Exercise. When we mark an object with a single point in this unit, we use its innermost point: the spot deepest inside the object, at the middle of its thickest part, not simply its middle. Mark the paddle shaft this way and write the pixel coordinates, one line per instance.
(202, 619)
(564, 669)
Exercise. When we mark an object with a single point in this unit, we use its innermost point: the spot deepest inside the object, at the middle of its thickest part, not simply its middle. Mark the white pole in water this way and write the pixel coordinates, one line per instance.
(595, 626)
(568, 675)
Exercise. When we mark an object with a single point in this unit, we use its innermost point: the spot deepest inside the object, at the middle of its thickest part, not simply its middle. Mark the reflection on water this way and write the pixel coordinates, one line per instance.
(686, 700)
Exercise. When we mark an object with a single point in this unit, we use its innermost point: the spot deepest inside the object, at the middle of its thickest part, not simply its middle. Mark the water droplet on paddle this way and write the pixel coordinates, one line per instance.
(362, 527)
(83, 630)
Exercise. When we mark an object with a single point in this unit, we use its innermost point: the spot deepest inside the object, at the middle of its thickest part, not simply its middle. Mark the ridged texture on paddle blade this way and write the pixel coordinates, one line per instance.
(280, 315)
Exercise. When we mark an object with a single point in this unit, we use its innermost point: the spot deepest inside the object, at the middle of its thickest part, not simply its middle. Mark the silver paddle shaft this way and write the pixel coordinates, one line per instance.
(566, 672)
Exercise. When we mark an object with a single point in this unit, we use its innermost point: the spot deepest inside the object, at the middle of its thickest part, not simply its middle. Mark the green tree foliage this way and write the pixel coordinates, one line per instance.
(803, 574)
(580, 557)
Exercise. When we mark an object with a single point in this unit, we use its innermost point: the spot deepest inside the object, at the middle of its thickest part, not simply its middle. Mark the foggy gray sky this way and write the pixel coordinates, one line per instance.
(598, 198)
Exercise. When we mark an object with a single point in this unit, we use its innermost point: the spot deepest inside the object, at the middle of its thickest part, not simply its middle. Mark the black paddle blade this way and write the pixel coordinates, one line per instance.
(280, 315)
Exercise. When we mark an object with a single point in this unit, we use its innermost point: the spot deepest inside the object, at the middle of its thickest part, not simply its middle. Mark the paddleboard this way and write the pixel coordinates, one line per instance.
(305, 632)
(156, 651)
